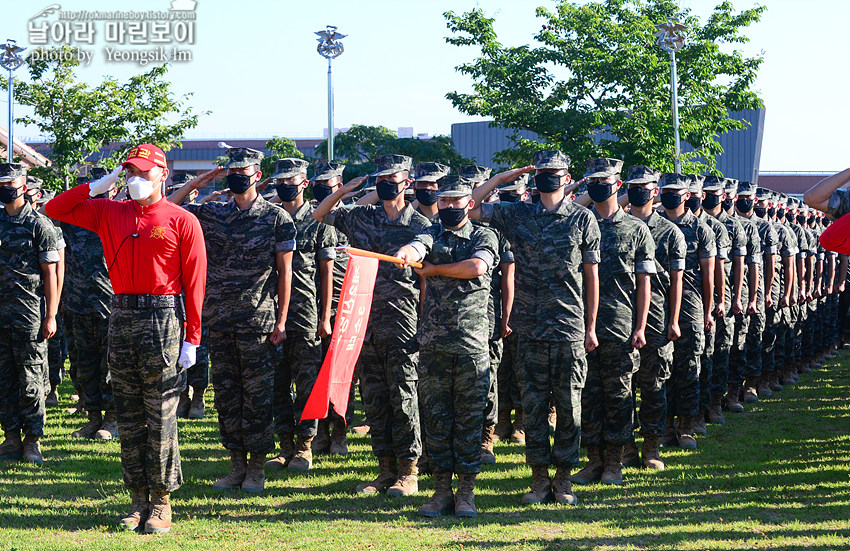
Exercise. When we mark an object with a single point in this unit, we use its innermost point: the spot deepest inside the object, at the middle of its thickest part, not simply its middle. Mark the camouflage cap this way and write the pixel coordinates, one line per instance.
(731, 186)
(475, 173)
(180, 180)
(46, 195)
(98, 172)
(548, 159)
(430, 172)
(455, 185)
(11, 171)
(746, 188)
(33, 182)
(642, 175)
(670, 180)
(289, 167)
(243, 156)
(781, 199)
(516, 184)
(603, 167)
(763, 193)
(325, 170)
(694, 182)
(713, 183)
(390, 164)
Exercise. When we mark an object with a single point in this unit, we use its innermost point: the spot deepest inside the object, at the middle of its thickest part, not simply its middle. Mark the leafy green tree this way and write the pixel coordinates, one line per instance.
(595, 83)
(359, 144)
(281, 148)
(81, 121)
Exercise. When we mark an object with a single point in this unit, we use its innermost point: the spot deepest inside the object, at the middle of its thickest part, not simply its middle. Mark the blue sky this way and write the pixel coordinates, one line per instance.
(254, 65)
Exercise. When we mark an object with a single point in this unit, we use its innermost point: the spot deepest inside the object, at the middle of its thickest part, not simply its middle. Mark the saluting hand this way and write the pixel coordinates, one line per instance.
(204, 179)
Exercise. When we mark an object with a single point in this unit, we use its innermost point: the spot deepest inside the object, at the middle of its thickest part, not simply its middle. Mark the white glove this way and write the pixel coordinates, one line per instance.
(102, 185)
(187, 355)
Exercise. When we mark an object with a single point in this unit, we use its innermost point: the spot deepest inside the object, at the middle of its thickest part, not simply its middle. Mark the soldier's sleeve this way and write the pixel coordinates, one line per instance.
(677, 251)
(284, 232)
(424, 240)
(771, 241)
(753, 247)
(706, 247)
(44, 241)
(496, 215)
(590, 240)
(644, 251)
(485, 247)
(341, 217)
(325, 243)
(839, 203)
(787, 247)
(738, 240)
(506, 255)
(803, 245)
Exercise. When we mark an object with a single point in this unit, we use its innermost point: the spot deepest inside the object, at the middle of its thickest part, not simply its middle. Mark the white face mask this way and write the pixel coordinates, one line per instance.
(139, 188)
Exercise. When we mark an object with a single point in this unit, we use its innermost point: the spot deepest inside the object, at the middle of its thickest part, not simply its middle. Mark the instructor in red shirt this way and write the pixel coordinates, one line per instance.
(154, 250)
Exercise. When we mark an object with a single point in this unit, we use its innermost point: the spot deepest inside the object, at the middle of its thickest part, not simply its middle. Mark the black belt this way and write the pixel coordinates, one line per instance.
(145, 302)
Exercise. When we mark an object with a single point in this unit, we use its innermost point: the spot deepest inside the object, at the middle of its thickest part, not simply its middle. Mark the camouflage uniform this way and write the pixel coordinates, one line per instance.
(548, 316)
(793, 342)
(240, 311)
(453, 347)
(626, 250)
(738, 354)
(773, 339)
(27, 241)
(390, 353)
(87, 298)
(302, 350)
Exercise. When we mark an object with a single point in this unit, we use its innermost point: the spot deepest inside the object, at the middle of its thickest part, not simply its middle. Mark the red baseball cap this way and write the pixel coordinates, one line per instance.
(145, 157)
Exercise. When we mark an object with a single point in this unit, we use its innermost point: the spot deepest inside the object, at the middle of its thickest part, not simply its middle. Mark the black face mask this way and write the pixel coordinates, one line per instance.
(693, 204)
(801, 218)
(780, 213)
(599, 192)
(727, 203)
(426, 197)
(322, 192)
(711, 201)
(771, 212)
(639, 195)
(387, 191)
(547, 182)
(535, 198)
(761, 211)
(452, 217)
(671, 201)
(239, 183)
(9, 194)
(744, 204)
(288, 192)
(509, 197)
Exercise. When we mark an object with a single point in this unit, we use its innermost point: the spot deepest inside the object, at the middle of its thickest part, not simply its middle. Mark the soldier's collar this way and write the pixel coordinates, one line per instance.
(19, 218)
(653, 219)
(404, 216)
(303, 211)
(562, 210)
(618, 217)
(254, 211)
(464, 232)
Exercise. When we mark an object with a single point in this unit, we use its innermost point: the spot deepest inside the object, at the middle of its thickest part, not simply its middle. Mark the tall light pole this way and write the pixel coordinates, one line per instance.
(671, 39)
(330, 47)
(11, 59)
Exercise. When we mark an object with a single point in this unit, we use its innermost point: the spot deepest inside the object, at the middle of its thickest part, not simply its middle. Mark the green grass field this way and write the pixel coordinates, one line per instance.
(774, 477)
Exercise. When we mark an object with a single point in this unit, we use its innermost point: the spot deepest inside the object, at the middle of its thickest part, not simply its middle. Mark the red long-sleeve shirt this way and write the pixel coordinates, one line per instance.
(167, 257)
(836, 237)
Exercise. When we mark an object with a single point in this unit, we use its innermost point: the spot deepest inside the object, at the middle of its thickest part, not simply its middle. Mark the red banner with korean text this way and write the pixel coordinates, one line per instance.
(355, 302)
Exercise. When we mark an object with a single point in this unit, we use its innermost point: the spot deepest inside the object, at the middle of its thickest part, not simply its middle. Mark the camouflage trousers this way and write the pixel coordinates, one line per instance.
(453, 389)
(491, 404)
(683, 385)
(22, 367)
(68, 319)
(551, 371)
(198, 376)
(349, 411)
(723, 334)
(509, 397)
(791, 336)
(298, 366)
(802, 316)
(747, 365)
(57, 351)
(770, 339)
(808, 332)
(243, 378)
(143, 349)
(388, 387)
(706, 366)
(607, 402)
(655, 365)
(93, 377)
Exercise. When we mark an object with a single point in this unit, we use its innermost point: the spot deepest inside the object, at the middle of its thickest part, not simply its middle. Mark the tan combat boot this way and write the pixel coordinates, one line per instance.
(139, 509)
(89, 429)
(79, 408)
(503, 425)
(631, 456)
(517, 431)
(109, 428)
(465, 498)
(685, 434)
(763, 388)
(562, 488)
(198, 408)
(407, 482)
(32, 450)
(287, 450)
(591, 472)
(443, 500)
(613, 473)
(302, 461)
(715, 410)
(385, 479)
(255, 475)
(322, 441)
(487, 455)
(159, 520)
(52, 398)
(732, 403)
(699, 422)
(774, 383)
(184, 404)
(423, 464)
(649, 452)
(12, 447)
(234, 478)
(339, 439)
(541, 486)
(751, 395)
(669, 438)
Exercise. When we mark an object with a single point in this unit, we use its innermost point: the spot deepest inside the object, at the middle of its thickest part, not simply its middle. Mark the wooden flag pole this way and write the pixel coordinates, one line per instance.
(379, 256)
